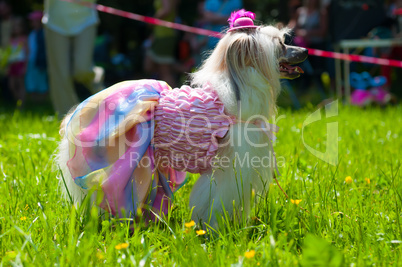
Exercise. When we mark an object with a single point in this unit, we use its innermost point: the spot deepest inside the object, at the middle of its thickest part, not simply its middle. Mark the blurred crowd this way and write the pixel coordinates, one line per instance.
(63, 54)
(23, 66)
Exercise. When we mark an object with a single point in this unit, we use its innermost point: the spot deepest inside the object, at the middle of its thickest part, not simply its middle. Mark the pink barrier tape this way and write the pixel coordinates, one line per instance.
(155, 21)
(356, 58)
(181, 27)
(398, 11)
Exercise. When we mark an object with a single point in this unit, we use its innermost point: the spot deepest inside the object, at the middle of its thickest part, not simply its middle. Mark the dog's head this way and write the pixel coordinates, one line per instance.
(286, 57)
(260, 47)
(250, 57)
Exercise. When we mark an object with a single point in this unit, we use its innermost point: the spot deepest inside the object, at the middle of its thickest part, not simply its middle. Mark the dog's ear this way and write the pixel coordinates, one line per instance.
(234, 62)
(241, 53)
(259, 52)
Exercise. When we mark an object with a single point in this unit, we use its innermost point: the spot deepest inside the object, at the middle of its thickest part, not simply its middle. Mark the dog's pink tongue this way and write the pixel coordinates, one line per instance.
(292, 69)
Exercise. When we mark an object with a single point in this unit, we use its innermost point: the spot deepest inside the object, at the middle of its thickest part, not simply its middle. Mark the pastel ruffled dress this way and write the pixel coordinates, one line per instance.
(135, 141)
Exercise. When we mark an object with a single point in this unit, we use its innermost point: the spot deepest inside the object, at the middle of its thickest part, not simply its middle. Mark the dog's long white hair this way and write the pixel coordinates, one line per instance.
(244, 71)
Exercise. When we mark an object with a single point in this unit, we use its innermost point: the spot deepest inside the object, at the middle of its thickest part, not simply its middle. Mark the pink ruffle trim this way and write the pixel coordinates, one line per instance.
(188, 123)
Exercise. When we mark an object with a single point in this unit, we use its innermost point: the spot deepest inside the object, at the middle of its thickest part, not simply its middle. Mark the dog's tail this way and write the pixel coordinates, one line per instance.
(69, 190)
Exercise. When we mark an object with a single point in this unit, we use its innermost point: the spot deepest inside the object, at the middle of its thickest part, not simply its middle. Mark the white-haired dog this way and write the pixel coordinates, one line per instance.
(239, 80)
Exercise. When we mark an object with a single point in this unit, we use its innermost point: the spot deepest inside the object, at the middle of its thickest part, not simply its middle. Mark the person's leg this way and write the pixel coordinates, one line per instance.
(62, 91)
(162, 54)
(83, 50)
(166, 74)
(12, 86)
(21, 88)
(149, 65)
(14, 83)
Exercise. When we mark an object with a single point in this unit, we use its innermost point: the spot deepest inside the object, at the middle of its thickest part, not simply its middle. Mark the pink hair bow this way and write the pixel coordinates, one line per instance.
(241, 19)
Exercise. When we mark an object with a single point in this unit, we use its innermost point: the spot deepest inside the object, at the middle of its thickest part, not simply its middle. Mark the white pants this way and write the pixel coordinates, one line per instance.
(70, 58)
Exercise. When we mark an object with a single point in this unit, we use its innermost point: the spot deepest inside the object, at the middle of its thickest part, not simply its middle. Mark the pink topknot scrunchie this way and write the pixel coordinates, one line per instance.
(241, 19)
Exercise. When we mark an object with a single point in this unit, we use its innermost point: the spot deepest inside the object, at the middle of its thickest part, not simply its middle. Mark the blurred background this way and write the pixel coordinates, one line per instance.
(127, 49)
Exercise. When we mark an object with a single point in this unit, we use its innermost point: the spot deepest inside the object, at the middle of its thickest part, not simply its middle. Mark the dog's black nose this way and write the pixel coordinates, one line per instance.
(304, 54)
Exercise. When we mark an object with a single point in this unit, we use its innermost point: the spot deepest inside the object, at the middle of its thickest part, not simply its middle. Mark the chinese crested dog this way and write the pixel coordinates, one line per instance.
(133, 143)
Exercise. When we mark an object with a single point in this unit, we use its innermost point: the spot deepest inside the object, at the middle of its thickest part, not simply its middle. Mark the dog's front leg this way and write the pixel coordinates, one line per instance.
(242, 167)
(218, 195)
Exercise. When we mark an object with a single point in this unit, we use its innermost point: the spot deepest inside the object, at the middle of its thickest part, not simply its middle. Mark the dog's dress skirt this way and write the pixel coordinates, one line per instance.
(133, 143)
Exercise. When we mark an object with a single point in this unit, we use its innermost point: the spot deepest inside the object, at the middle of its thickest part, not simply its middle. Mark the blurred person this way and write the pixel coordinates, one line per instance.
(391, 28)
(70, 32)
(311, 32)
(197, 42)
(293, 6)
(395, 19)
(5, 23)
(36, 82)
(311, 25)
(17, 60)
(396, 51)
(397, 30)
(214, 16)
(5, 35)
(160, 55)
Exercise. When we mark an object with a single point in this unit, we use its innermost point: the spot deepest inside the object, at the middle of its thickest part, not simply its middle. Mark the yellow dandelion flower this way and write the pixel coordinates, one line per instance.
(11, 254)
(348, 180)
(200, 232)
(249, 254)
(139, 211)
(189, 224)
(23, 218)
(121, 246)
(100, 256)
(367, 180)
(296, 201)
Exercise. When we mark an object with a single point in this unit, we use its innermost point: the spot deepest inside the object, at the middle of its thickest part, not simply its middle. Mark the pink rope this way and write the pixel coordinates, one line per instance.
(181, 27)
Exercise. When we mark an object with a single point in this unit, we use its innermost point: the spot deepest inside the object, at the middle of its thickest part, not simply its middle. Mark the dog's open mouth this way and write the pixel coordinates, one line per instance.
(286, 67)
(288, 71)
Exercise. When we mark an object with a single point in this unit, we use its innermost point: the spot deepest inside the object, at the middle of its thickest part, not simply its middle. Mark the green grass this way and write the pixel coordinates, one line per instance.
(340, 224)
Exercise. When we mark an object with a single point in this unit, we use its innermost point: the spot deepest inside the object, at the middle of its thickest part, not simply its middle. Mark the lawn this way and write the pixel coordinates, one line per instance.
(344, 215)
